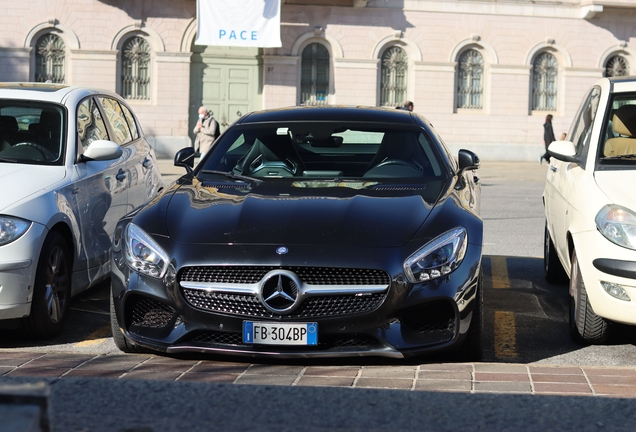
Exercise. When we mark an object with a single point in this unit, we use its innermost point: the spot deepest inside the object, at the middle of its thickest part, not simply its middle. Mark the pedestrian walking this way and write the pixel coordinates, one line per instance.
(206, 130)
(548, 138)
(408, 106)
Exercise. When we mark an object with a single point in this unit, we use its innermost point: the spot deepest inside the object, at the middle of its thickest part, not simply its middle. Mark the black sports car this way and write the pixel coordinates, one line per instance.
(307, 232)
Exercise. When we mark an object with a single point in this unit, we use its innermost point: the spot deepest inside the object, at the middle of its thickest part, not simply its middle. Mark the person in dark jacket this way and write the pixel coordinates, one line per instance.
(548, 137)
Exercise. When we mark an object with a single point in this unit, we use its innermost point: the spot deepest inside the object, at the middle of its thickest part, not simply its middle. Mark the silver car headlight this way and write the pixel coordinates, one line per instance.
(143, 254)
(438, 257)
(618, 225)
(12, 228)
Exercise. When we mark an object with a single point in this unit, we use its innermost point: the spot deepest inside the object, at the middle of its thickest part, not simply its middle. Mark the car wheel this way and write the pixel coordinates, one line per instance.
(552, 267)
(121, 341)
(473, 346)
(51, 291)
(585, 326)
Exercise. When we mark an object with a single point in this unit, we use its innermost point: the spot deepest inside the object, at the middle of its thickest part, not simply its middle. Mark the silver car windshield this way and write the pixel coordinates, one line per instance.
(31, 132)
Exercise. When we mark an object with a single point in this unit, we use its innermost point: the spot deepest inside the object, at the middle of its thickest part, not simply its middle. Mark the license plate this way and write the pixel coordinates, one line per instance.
(267, 333)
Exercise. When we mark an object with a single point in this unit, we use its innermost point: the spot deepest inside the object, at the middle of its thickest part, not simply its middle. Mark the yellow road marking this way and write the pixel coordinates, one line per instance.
(95, 338)
(505, 335)
(499, 271)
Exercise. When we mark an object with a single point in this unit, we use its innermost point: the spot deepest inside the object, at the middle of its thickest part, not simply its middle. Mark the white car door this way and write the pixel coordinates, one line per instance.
(564, 177)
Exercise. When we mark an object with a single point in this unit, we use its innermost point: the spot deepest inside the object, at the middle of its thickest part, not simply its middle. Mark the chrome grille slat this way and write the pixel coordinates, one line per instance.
(334, 292)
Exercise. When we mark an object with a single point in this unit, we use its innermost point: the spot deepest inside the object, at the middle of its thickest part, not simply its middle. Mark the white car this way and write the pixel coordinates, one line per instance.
(73, 161)
(590, 208)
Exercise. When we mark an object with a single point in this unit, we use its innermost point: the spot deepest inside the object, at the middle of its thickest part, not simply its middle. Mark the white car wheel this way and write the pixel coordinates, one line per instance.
(585, 326)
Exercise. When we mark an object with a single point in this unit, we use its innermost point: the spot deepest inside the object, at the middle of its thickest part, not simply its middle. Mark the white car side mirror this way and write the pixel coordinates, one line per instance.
(563, 150)
(102, 150)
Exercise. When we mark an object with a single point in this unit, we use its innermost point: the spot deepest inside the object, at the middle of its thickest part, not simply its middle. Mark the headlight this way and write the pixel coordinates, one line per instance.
(143, 254)
(12, 228)
(618, 225)
(438, 257)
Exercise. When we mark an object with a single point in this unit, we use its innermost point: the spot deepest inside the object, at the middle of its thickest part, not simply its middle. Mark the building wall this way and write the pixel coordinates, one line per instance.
(432, 32)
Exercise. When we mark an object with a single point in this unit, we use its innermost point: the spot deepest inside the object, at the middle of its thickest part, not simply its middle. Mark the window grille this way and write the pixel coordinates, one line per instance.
(470, 75)
(393, 72)
(616, 66)
(544, 82)
(314, 79)
(135, 73)
(50, 53)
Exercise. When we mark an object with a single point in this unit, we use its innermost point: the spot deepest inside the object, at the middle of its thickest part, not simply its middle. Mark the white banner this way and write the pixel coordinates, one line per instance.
(248, 23)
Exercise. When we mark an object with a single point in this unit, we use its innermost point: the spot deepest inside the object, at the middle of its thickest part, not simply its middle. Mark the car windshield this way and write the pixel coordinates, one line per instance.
(31, 132)
(619, 139)
(325, 150)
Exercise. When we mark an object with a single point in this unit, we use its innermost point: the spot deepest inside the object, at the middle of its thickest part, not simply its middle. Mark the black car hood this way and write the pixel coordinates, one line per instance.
(289, 214)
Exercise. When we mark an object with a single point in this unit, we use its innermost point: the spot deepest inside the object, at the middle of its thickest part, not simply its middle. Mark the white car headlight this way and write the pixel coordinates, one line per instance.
(143, 254)
(618, 225)
(12, 228)
(438, 257)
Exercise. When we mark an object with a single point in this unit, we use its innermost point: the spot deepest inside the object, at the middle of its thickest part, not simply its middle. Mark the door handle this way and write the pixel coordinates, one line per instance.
(553, 168)
(121, 175)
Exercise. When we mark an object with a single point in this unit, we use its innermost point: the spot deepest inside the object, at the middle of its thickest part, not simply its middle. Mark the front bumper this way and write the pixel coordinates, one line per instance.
(18, 263)
(409, 320)
(601, 260)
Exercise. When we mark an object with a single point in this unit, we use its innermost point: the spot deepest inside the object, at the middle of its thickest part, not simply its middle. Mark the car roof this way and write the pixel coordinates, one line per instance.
(46, 92)
(330, 113)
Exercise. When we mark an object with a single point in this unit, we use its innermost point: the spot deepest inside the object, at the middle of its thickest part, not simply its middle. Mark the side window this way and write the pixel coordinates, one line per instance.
(117, 120)
(130, 119)
(90, 125)
(582, 125)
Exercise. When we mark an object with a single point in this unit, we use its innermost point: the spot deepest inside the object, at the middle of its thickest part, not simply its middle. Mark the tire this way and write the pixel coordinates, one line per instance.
(552, 267)
(121, 341)
(585, 326)
(473, 346)
(51, 290)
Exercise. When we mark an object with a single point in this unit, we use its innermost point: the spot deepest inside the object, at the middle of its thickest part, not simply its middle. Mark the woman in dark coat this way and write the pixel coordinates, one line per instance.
(548, 137)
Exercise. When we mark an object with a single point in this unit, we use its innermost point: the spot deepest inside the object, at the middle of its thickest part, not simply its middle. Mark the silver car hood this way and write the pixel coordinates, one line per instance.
(20, 182)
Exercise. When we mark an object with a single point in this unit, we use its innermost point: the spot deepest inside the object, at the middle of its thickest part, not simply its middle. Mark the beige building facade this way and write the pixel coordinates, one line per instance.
(485, 72)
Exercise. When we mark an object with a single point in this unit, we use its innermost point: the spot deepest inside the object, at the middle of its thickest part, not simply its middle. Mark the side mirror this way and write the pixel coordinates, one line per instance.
(467, 160)
(185, 158)
(102, 150)
(563, 151)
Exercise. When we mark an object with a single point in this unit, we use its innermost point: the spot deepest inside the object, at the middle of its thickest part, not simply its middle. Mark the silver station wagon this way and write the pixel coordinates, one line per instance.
(73, 161)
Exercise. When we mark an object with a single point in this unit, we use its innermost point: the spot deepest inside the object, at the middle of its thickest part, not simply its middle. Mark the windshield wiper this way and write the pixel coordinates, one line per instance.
(627, 156)
(231, 175)
(8, 160)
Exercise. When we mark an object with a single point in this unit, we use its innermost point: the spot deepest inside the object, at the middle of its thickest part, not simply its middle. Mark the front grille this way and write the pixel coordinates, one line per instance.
(313, 307)
(145, 312)
(248, 305)
(310, 275)
(431, 317)
(235, 339)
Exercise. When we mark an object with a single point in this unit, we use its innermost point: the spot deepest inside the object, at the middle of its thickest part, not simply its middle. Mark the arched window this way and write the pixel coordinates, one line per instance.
(314, 79)
(394, 67)
(470, 78)
(544, 82)
(135, 69)
(616, 66)
(50, 53)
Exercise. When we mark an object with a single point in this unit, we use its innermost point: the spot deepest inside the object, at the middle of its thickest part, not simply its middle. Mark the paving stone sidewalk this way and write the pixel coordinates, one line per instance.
(454, 377)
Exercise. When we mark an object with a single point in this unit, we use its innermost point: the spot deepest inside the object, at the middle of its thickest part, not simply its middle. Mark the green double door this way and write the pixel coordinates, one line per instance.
(227, 81)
